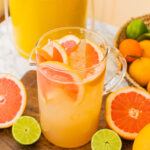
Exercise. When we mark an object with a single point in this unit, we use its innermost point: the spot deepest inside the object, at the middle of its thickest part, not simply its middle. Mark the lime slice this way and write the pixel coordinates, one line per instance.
(26, 130)
(106, 139)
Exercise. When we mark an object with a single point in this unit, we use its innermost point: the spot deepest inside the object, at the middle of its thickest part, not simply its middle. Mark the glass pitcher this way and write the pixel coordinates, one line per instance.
(70, 94)
(30, 19)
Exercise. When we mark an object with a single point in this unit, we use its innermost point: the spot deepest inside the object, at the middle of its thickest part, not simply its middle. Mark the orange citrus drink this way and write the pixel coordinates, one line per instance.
(32, 18)
(70, 75)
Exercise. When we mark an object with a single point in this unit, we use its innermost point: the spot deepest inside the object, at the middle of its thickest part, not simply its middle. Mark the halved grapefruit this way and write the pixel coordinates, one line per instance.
(128, 111)
(12, 99)
(70, 43)
(52, 51)
(55, 76)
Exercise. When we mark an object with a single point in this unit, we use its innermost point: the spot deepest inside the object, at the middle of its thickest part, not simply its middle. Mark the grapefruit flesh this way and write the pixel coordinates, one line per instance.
(52, 51)
(70, 43)
(54, 76)
(42, 56)
(128, 111)
(12, 99)
(87, 60)
(84, 56)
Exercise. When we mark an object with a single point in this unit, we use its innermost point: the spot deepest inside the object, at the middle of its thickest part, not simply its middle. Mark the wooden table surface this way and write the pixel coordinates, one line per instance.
(8, 143)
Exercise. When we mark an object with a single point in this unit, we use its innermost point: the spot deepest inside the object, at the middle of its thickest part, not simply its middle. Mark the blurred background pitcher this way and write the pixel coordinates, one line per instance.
(32, 18)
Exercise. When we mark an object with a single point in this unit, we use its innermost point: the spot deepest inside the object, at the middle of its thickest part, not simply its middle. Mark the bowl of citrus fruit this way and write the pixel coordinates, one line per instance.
(133, 41)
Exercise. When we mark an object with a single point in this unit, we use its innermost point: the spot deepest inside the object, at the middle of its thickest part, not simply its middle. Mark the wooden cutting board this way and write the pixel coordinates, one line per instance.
(6, 140)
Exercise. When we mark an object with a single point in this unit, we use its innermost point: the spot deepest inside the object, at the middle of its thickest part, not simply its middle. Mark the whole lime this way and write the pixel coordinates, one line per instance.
(135, 29)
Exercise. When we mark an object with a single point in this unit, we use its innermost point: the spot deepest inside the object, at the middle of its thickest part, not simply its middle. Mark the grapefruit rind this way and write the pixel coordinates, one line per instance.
(67, 69)
(98, 68)
(48, 48)
(62, 52)
(110, 122)
(70, 43)
(97, 48)
(43, 54)
(24, 99)
(69, 37)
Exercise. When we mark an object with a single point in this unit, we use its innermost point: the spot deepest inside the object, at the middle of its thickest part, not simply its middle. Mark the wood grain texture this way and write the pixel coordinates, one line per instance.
(6, 139)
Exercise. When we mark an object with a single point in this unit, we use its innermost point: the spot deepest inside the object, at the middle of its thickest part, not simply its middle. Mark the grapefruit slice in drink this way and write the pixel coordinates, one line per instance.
(55, 78)
(42, 55)
(12, 99)
(56, 51)
(128, 111)
(70, 43)
(52, 51)
(87, 59)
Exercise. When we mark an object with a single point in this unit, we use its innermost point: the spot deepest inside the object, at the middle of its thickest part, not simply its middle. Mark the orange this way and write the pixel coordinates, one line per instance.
(128, 111)
(13, 99)
(142, 141)
(148, 87)
(130, 49)
(61, 73)
(140, 70)
(145, 45)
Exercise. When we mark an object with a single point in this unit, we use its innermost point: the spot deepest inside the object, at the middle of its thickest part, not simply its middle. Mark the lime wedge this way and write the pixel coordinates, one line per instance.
(26, 130)
(106, 139)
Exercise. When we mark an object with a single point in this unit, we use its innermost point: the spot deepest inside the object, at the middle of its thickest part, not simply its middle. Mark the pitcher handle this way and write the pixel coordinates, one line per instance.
(119, 75)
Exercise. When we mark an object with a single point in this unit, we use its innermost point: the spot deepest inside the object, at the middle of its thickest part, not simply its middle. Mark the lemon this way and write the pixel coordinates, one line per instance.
(145, 45)
(135, 29)
(140, 70)
(142, 141)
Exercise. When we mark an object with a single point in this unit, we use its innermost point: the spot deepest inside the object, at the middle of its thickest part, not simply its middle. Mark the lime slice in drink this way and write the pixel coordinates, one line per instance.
(26, 130)
(106, 139)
